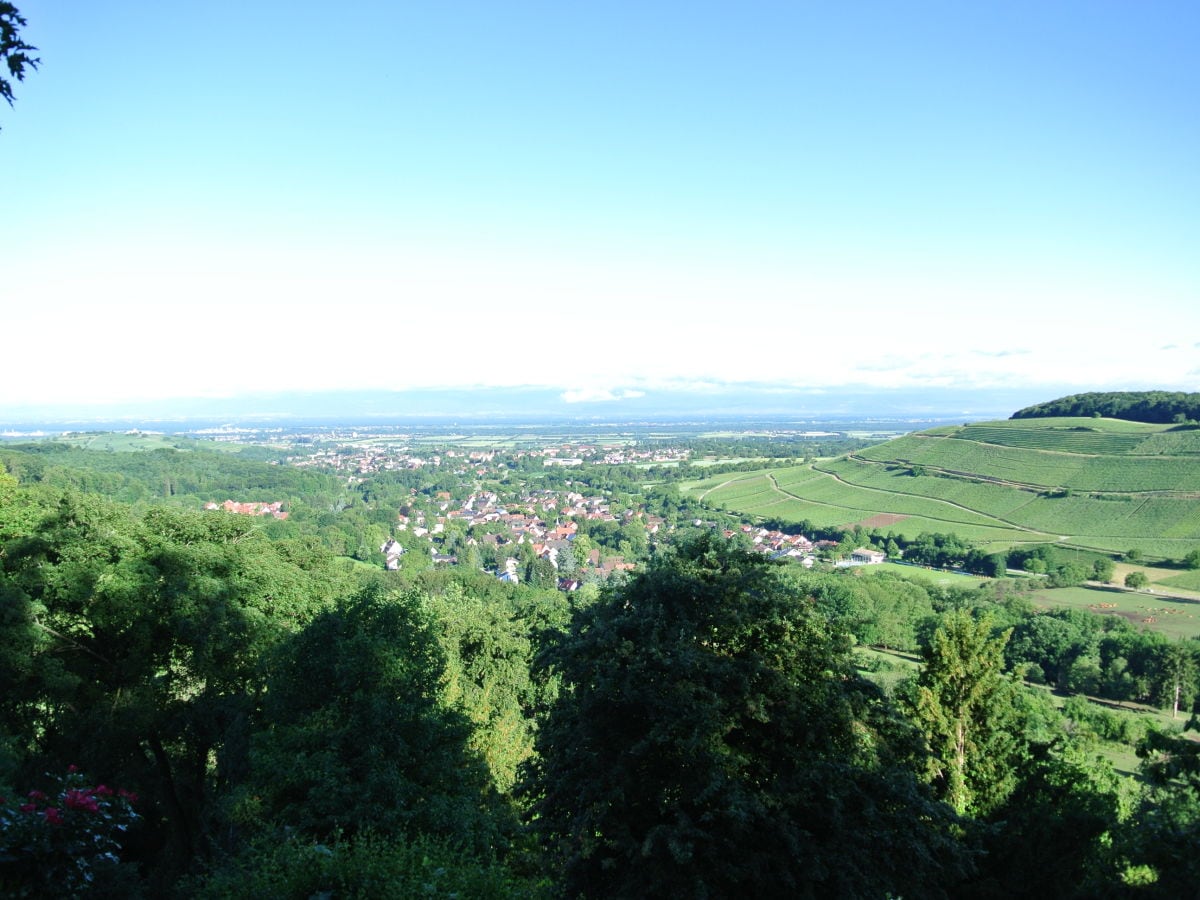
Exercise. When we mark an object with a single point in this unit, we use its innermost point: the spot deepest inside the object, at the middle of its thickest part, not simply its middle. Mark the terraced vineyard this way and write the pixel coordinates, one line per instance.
(1098, 484)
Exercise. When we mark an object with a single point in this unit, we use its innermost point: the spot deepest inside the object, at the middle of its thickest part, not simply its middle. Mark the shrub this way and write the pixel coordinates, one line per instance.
(64, 842)
(364, 866)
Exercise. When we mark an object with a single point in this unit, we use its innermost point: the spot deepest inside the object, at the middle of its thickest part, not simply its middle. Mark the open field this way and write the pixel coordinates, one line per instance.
(804, 493)
(119, 443)
(1177, 618)
(142, 442)
(937, 577)
(1185, 581)
(1097, 484)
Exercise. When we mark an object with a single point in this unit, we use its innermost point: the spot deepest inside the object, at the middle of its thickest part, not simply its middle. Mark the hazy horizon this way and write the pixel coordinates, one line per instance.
(530, 403)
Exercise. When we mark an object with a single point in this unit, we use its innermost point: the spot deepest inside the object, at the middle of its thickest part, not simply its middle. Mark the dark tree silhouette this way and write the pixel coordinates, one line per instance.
(14, 52)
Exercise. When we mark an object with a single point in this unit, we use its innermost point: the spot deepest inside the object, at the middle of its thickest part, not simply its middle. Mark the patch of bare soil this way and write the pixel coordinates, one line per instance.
(881, 520)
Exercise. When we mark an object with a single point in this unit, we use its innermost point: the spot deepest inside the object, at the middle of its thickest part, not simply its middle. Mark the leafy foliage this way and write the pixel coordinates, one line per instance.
(362, 867)
(1156, 847)
(14, 52)
(712, 739)
(1136, 406)
(488, 652)
(132, 644)
(1051, 835)
(356, 735)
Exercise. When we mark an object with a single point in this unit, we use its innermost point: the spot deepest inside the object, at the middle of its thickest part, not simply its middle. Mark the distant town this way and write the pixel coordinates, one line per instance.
(514, 531)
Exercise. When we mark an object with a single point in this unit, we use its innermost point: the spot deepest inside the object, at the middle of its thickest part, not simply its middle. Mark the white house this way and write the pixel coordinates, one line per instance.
(865, 556)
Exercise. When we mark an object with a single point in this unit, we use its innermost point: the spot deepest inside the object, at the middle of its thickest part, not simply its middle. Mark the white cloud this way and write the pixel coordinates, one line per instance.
(600, 395)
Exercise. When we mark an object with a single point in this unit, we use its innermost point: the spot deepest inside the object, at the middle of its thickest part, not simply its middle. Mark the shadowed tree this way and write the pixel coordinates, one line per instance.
(1155, 848)
(1175, 686)
(131, 645)
(711, 739)
(356, 735)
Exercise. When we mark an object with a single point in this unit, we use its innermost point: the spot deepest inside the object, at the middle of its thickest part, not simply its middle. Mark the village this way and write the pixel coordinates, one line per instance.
(369, 458)
(479, 508)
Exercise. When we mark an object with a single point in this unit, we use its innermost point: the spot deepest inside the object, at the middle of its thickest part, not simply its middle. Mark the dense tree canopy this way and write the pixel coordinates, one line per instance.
(131, 645)
(355, 734)
(713, 740)
(1160, 407)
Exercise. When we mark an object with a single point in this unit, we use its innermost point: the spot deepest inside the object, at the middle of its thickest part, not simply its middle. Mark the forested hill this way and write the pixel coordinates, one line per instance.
(1160, 407)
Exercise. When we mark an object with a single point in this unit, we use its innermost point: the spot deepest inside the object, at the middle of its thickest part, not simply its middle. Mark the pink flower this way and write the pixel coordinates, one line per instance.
(72, 768)
(127, 795)
(28, 807)
(77, 799)
(53, 816)
(103, 790)
(36, 795)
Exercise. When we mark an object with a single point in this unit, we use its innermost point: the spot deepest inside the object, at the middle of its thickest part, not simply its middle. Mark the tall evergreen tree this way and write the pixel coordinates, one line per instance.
(968, 707)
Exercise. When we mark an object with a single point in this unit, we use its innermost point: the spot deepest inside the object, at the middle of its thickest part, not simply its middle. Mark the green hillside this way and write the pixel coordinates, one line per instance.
(1099, 484)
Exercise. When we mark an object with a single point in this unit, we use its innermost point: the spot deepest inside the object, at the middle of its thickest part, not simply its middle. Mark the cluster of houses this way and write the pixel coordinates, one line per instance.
(576, 455)
(779, 545)
(366, 459)
(363, 460)
(524, 520)
(546, 520)
(657, 455)
(274, 510)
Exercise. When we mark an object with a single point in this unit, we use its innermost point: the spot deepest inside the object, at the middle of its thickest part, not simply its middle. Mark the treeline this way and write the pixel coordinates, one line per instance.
(1158, 407)
(197, 473)
(790, 446)
(1071, 650)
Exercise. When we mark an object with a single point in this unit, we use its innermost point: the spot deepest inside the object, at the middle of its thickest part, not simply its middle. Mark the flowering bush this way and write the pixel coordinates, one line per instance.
(56, 844)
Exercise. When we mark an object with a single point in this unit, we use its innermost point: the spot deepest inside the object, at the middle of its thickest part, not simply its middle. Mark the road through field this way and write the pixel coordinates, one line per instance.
(1000, 523)
(788, 495)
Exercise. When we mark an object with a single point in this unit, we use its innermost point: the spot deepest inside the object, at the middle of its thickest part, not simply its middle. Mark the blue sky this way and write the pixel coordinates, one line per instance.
(219, 198)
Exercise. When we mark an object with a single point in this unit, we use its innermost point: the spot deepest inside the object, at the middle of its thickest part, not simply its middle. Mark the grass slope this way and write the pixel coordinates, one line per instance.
(1099, 484)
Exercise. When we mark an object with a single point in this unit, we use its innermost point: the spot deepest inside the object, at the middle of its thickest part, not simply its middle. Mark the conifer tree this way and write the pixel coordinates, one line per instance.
(967, 706)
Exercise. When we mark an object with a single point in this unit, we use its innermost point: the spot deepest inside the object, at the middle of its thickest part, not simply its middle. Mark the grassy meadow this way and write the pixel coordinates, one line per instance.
(1172, 616)
(115, 442)
(936, 577)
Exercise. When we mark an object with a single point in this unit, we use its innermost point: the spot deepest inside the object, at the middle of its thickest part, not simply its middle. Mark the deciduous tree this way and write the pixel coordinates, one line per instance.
(1175, 685)
(355, 732)
(712, 739)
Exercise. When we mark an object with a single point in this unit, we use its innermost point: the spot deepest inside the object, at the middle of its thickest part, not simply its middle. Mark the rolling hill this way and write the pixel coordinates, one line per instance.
(1099, 484)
